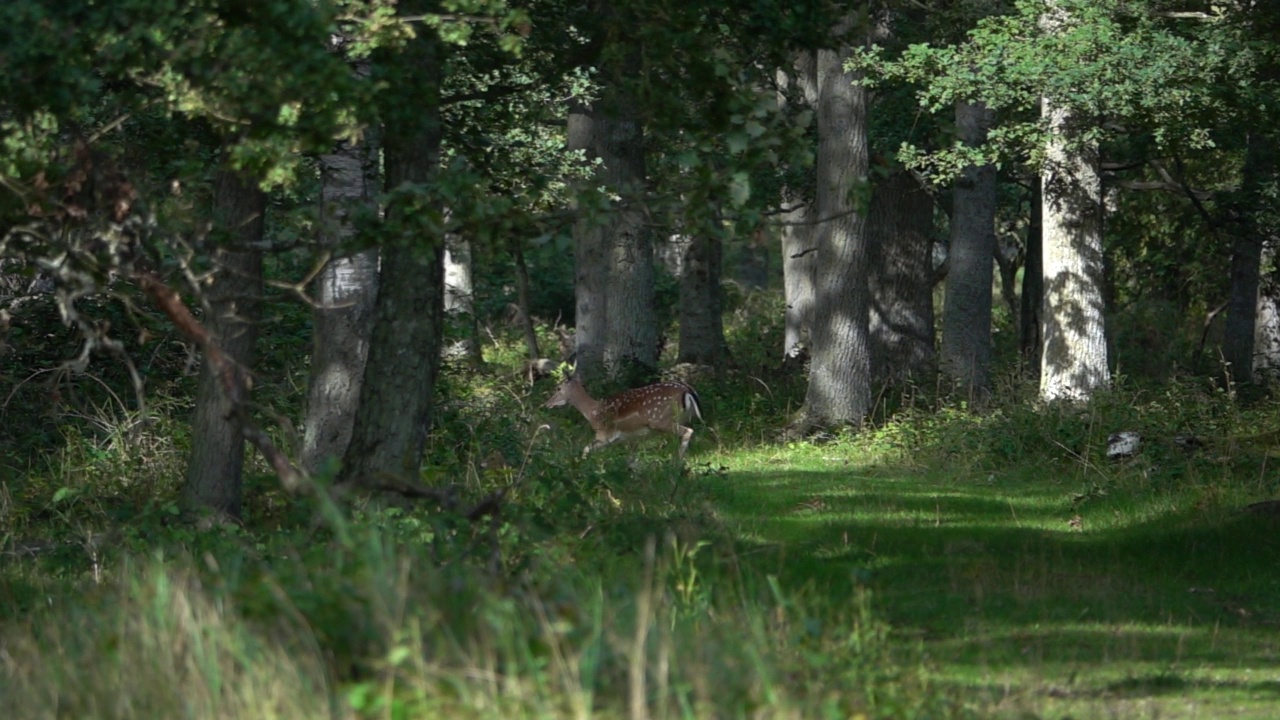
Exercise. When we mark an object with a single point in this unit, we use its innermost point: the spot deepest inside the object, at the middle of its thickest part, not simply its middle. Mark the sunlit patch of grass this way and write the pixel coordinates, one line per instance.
(1055, 585)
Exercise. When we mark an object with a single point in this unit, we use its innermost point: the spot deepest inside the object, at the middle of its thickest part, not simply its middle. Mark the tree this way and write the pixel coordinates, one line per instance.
(839, 391)
(900, 242)
(701, 320)
(966, 309)
(1073, 361)
(631, 335)
(1239, 334)
(234, 298)
(798, 87)
(394, 412)
(459, 298)
(345, 290)
(591, 259)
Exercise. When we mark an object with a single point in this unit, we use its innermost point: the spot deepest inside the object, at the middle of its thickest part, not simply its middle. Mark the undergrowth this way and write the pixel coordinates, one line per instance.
(611, 586)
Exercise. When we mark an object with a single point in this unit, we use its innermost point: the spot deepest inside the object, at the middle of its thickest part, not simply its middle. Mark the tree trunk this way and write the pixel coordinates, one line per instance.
(1266, 343)
(799, 256)
(839, 379)
(404, 351)
(1032, 296)
(522, 300)
(1246, 261)
(1073, 363)
(459, 299)
(701, 322)
(345, 292)
(213, 479)
(900, 240)
(752, 269)
(591, 262)
(966, 309)
(631, 336)
(799, 264)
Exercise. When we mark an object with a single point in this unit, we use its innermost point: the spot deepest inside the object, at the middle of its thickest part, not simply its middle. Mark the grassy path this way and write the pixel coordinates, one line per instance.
(1131, 602)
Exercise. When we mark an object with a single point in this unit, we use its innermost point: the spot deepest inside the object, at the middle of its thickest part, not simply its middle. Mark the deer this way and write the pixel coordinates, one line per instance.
(663, 406)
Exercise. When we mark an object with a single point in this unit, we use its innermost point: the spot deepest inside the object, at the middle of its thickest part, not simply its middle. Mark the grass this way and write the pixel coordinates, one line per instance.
(944, 564)
(1031, 591)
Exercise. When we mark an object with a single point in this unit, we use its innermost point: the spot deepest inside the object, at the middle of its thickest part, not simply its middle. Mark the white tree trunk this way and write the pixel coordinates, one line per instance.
(345, 292)
(459, 298)
(1266, 340)
(1073, 364)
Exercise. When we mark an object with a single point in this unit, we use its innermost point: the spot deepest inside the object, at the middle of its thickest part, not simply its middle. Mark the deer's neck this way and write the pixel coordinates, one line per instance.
(587, 405)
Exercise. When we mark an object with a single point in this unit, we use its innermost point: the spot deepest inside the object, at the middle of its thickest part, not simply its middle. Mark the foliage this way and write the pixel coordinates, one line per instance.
(1121, 61)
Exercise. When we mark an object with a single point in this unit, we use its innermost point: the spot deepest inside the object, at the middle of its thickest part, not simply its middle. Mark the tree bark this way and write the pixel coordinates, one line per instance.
(752, 268)
(345, 292)
(1032, 295)
(839, 390)
(799, 256)
(1266, 343)
(591, 262)
(900, 240)
(1073, 363)
(966, 309)
(1239, 330)
(799, 264)
(214, 470)
(701, 322)
(631, 337)
(522, 300)
(459, 298)
(394, 414)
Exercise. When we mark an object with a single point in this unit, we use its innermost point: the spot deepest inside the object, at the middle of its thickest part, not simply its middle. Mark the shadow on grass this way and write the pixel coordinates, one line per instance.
(1005, 576)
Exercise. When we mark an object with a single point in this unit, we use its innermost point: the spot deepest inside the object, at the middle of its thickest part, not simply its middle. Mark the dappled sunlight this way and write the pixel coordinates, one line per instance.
(1017, 583)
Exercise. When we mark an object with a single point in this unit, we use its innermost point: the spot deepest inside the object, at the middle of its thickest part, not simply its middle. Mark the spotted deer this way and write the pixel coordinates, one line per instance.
(663, 406)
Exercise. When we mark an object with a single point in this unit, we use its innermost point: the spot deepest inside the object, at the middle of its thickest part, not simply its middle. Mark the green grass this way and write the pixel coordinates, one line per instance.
(1031, 590)
(942, 564)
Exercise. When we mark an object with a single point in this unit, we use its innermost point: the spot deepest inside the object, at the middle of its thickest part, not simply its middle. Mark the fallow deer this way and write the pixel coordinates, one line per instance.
(663, 406)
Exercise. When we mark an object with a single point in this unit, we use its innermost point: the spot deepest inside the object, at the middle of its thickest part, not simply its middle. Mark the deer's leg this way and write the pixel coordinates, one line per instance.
(602, 440)
(686, 434)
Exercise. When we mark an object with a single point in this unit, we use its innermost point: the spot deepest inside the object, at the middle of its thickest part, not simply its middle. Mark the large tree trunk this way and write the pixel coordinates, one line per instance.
(966, 309)
(1073, 363)
(900, 240)
(631, 337)
(345, 292)
(840, 371)
(701, 322)
(404, 352)
(213, 479)
(1238, 341)
(799, 256)
(591, 262)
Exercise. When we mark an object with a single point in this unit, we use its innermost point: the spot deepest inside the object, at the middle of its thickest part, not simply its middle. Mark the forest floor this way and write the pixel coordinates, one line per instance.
(939, 564)
(1055, 590)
